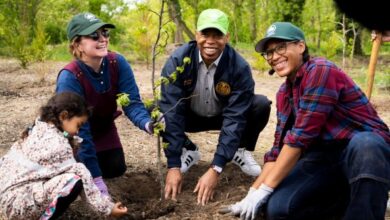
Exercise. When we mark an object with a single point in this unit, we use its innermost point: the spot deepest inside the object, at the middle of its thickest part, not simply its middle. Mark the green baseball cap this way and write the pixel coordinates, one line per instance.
(213, 18)
(280, 30)
(85, 24)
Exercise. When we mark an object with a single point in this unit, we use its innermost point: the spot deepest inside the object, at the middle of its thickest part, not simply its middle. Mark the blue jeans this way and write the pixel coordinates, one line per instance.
(350, 183)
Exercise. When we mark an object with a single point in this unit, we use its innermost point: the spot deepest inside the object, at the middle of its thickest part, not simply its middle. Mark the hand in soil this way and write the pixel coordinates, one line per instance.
(173, 183)
(234, 209)
(206, 186)
(118, 210)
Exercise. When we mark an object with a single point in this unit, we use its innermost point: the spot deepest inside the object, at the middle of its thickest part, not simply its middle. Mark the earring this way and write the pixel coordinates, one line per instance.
(66, 134)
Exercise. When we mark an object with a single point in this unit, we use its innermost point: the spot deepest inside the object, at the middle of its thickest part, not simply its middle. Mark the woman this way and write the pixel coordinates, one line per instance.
(331, 154)
(100, 76)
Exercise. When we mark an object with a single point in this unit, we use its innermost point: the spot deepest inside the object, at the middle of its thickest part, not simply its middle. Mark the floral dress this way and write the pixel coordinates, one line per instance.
(40, 169)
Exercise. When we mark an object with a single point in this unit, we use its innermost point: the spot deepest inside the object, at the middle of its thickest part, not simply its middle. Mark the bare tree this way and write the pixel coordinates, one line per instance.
(155, 53)
(156, 115)
(344, 39)
(355, 32)
(174, 10)
(237, 21)
(252, 6)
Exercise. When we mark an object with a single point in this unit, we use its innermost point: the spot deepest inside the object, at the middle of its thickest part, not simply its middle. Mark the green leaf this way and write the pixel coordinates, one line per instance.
(158, 128)
(158, 82)
(155, 114)
(173, 77)
(148, 103)
(186, 60)
(123, 99)
(180, 69)
(165, 80)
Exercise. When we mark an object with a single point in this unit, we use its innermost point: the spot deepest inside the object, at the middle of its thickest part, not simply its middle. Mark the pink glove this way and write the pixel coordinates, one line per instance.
(101, 186)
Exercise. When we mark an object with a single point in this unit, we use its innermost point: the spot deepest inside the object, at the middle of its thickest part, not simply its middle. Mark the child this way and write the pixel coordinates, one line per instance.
(39, 175)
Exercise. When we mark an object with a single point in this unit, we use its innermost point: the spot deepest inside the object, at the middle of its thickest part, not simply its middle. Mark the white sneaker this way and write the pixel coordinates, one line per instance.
(189, 158)
(388, 205)
(246, 162)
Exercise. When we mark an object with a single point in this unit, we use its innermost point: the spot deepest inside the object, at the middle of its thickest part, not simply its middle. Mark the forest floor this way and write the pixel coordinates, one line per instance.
(23, 91)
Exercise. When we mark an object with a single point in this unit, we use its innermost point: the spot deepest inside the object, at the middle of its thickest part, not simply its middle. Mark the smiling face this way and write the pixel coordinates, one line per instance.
(286, 57)
(211, 43)
(92, 48)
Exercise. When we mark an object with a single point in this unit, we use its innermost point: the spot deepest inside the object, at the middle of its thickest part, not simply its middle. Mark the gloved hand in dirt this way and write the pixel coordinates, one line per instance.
(101, 185)
(236, 208)
(118, 210)
(252, 203)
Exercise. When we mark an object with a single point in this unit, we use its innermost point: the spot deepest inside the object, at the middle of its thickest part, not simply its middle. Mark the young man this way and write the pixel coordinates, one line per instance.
(218, 91)
(331, 154)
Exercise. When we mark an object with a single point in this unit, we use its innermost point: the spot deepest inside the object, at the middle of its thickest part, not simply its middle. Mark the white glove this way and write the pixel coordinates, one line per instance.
(254, 201)
(236, 208)
(149, 126)
(388, 202)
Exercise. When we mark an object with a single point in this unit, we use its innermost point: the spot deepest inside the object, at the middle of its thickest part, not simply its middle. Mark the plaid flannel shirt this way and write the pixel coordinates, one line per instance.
(327, 106)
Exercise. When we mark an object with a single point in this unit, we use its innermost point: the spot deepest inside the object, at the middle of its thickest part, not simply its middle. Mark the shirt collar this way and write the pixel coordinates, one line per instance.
(89, 69)
(301, 71)
(216, 62)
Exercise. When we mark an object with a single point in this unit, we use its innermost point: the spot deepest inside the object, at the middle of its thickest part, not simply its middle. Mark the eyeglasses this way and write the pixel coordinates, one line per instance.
(279, 49)
(96, 35)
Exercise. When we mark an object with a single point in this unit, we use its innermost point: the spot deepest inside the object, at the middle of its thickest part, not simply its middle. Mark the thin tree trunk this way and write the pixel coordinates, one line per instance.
(174, 13)
(253, 21)
(154, 55)
(355, 33)
(344, 39)
(319, 25)
(237, 18)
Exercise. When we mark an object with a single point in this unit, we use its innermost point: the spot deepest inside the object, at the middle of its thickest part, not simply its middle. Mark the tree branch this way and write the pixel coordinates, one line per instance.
(177, 103)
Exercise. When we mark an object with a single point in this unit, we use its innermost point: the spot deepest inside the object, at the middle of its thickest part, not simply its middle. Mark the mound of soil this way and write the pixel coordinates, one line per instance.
(140, 192)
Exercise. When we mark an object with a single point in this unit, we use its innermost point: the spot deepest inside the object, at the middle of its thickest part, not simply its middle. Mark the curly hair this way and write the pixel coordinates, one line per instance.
(70, 102)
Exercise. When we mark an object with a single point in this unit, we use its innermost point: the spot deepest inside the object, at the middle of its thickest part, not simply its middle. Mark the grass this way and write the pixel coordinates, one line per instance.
(59, 52)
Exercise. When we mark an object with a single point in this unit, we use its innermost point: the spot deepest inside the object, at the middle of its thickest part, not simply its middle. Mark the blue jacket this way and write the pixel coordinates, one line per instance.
(135, 111)
(234, 87)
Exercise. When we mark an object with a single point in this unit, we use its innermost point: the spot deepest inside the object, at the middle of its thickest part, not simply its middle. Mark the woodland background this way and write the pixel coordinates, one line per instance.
(35, 30)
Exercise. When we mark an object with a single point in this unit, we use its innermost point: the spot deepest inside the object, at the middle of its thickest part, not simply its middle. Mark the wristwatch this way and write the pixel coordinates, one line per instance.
(217, 169)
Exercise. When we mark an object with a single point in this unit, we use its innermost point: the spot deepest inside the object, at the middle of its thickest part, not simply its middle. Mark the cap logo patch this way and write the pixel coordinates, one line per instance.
(223, 88)
(271, 30)
(90, 17)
